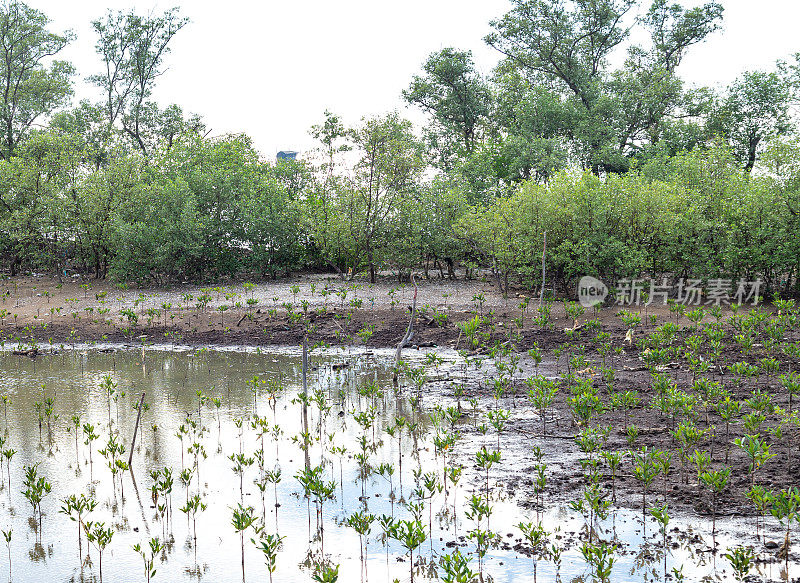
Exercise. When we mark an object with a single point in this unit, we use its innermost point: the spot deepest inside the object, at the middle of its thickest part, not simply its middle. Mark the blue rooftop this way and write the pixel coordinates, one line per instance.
(287, 155)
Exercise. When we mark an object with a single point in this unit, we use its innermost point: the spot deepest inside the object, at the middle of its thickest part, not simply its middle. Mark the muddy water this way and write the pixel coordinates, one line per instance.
(171, 378)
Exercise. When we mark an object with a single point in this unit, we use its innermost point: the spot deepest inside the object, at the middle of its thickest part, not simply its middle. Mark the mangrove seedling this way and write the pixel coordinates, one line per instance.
(242, 519)
(741, 560)
(645, 470)
(324, 572)
(100, 537)
(791, 382)
(269, 545)
(149, 558)
(757, 450)
(485, 460)
(785, 506)
(600, 557)
(715, 481)
(90, 435)
(536, 536)
(759, 497)
(76, 507)
(730, 410)
(361, 522)
(322, 492)
(478, 509)
(240, 463)
(541, 394)
(660, 513)
(36, 488)
(631, 433)
(456, 568)
(410, 534)
(192, 507)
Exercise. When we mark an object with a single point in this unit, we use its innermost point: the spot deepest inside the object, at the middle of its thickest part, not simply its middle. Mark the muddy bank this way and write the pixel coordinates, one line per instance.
(680, 486)
(273, 313)
(200, 330)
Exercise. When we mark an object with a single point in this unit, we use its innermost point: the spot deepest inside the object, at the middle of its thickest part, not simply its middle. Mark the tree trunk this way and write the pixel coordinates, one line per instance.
(752, 148)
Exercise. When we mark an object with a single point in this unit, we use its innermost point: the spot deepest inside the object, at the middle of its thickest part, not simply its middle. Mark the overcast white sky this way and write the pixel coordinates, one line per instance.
(270, 68)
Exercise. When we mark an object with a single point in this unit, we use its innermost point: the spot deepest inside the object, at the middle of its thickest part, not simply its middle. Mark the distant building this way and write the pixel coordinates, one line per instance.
(284, 155)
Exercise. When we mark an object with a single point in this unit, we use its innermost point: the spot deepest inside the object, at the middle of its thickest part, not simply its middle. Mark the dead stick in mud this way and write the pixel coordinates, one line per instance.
(305, 402)
(544, 253)
(409, 332)
(135, 430)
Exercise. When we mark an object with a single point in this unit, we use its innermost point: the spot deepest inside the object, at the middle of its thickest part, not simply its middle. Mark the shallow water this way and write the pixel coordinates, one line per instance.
(170, 379)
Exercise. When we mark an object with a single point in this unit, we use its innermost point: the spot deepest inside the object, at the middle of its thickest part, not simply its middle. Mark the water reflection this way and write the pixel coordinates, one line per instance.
(225, 426)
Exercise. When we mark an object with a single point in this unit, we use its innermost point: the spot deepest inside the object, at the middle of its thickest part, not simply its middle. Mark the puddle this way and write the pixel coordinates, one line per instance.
(170, 376)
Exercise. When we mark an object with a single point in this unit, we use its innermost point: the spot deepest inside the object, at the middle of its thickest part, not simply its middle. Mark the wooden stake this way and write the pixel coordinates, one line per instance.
(305, 400)
(407, 337)
(544, 253)
(410, 331)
